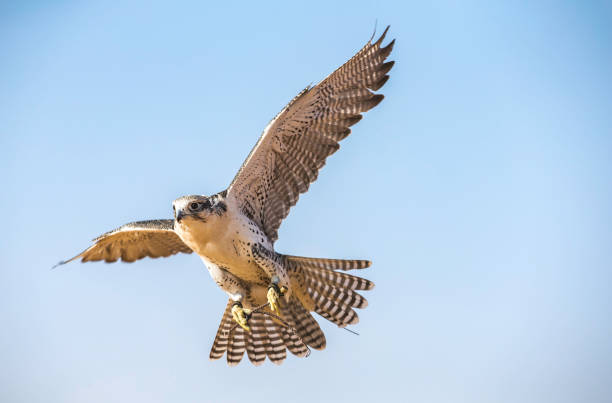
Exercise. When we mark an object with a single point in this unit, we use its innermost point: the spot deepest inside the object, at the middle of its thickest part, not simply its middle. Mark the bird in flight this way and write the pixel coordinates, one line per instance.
(271, 295)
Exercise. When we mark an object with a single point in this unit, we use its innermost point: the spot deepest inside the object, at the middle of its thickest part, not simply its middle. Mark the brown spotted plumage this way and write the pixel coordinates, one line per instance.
(295, 145)
(133, 241)
(271, 296)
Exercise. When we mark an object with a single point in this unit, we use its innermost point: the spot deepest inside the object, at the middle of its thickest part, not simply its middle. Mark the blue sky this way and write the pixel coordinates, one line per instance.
(480, 188)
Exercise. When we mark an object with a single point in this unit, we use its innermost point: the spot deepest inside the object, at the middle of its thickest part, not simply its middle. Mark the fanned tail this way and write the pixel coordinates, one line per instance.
(324, 290)
(267, 337)
(316, 286)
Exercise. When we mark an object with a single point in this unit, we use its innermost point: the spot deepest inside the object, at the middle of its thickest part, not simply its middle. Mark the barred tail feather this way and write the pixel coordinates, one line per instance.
(333, 294)
(266, 338)
(276, 347)
(317, 287)
(329, 264)
(305, 325)
(257, 340)
(337, 312)
(220, 344)
(294, 344)
(345, 281)
(236, 346)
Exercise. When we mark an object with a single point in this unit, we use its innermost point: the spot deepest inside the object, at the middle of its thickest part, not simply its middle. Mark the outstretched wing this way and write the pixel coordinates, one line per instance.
(295, 144)
(133, 241)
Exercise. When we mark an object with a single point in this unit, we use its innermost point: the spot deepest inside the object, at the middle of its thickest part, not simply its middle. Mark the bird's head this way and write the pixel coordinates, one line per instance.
(195, 216)
(192, 207)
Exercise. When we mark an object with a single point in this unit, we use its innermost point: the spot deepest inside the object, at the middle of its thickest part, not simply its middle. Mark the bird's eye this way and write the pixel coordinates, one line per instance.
(194, 206)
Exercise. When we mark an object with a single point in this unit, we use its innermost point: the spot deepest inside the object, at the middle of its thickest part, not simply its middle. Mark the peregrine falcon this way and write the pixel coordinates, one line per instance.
(271, 295)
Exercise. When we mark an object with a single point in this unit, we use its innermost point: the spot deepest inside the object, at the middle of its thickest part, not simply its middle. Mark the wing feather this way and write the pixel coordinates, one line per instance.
(133, 241)
(296, 143)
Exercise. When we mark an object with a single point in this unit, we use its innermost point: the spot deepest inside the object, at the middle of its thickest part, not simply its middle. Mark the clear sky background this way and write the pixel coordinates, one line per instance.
(480, 188)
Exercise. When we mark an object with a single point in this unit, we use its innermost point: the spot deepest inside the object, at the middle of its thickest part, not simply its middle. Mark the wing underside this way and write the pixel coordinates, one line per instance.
(134, 241)
(296, 143)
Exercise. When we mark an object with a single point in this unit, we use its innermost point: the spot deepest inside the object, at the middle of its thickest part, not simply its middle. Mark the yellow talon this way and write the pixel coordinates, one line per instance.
(274, 294)
(241, 316)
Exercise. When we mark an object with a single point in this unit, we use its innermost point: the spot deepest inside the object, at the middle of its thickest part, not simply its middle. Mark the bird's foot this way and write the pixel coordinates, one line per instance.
(274, 294)
(241, 315)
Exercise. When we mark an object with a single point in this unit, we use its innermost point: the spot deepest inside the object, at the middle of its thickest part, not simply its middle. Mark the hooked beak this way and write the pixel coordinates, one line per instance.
(179, 215)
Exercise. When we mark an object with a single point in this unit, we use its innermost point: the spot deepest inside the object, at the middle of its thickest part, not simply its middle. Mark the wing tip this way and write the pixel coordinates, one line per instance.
(382, 36)
(376, 99)
(387, 66)
(378, 84)
(58, 264)
(386, 51)
(63, 262)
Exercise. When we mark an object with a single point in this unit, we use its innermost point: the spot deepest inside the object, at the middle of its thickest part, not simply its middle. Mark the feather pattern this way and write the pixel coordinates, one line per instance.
(346, 281)
(282, 165)
(296, 143)
(276, 345)
(257, 340)
(236, 346)
(220, 343)
(329, 264)
(317, 286)
(266, 338)
(336, 293)
(304, 324)
(133, 241)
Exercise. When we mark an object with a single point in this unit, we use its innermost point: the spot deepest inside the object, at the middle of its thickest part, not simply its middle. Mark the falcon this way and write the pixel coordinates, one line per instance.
(270, 295)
